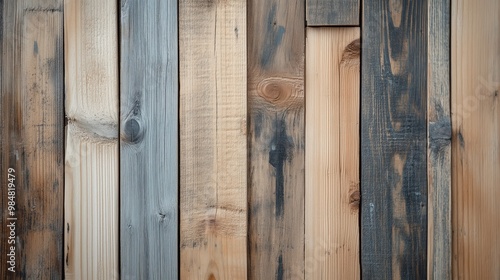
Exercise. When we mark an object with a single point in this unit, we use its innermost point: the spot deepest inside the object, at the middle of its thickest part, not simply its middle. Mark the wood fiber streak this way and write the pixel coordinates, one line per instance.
(439, 141)
(475, 60)
(91, 167)
(333, 12)
(332, 153)
(32, 136)
(276, 138)
(213, 111)
(149, 139)
(394, 140)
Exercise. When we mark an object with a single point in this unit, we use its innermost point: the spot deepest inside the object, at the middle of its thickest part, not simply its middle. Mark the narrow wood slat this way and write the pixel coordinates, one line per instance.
(148, 140)
(439, 141)
(32, 138)
(394, 140)
(276, 139)
(213, 149)
(333, 12)
(332, 153)
(91, 181)
(475, 60)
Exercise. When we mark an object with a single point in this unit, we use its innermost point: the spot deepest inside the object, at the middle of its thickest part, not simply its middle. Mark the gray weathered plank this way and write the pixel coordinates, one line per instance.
(332, 12)
(394, 140)
(32, 138)
(276, 138)
(439, 141)
(149, 140)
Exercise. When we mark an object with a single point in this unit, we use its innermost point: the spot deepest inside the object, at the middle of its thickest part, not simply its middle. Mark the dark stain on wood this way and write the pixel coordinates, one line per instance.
(279, 271)
(274, 35)
(278, 154)
(394, 140)
(333, 12)
(439, 134)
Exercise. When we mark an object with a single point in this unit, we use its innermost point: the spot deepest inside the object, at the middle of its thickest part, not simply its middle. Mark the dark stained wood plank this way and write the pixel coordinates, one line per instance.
(333, 12)
(394, 140)
(276, 138)
(32, 137)
(149, 140)
(439, 141)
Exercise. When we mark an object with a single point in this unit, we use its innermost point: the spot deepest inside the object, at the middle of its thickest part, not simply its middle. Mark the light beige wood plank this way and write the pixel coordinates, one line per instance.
(213, 150)
(332, 153)
(91, 181)
(475, 87)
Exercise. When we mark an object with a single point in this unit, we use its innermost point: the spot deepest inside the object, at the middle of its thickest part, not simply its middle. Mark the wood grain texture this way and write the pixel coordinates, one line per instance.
(149, 140)
(332, 153)
(333, 12)
(439, 141)
(394, 140)
(213, 110)
(276, 138)
(32, 137)
(475, 99)
(91, 181)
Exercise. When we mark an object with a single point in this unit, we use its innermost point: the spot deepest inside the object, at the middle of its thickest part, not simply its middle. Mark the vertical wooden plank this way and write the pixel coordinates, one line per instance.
(148, 140)
(394, 140)
(32, 139)
(276, 141)
(332, 12)
(476, 139)
(91, 181)
(213, 139)
(439, 141)
(332, 153)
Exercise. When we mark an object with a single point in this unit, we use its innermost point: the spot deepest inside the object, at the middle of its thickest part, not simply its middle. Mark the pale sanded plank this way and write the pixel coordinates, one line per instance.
(439, 140)
(213, 139)
(276, 45)
(149, 139)
(32, 138)
(475, 88)
(332, 153)
(91, 181)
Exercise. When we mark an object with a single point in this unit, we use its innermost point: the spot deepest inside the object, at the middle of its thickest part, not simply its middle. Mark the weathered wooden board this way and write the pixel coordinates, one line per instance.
(394, 140)
(276, 139)
(91, 170)
(332, 153)
(213, 160)
(439, 141)
(476, 139)
(333, 12)
(32, 138)
(149, 140)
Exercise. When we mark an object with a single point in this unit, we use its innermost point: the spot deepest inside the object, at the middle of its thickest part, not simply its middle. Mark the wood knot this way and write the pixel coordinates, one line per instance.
(133, 130)
(281, 91)
(351, 53)
(354, 196)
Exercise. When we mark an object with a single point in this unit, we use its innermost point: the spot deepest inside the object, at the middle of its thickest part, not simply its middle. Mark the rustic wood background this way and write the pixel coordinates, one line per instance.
(249, 139)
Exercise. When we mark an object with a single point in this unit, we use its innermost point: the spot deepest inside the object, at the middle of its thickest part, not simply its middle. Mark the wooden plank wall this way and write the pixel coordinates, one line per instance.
(91, 169)
(149, 139)
(439, 141)
(393, 140)
(475, 60)
(276, 138)
(332, 153)
(32, 138)
(213, 161)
